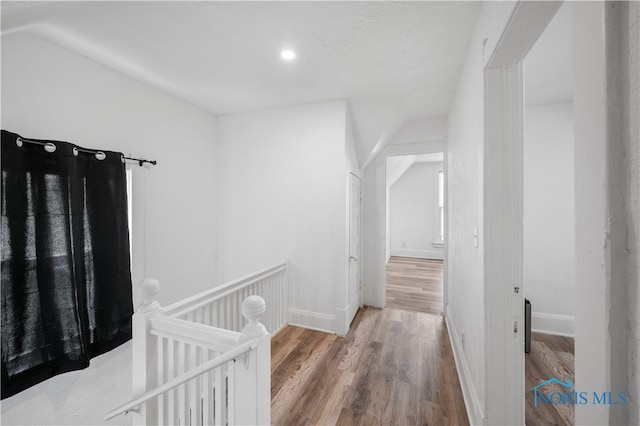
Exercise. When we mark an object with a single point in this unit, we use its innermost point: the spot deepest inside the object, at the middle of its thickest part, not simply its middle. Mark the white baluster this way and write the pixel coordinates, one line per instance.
(182, 367)
(281, 305)
(286, 294)
(271, 311)
(160, 379)
(221, 405)
(199, 413)
(227, 314)
(194, 394)
(171, 373)
(207, 392)
(143, 349)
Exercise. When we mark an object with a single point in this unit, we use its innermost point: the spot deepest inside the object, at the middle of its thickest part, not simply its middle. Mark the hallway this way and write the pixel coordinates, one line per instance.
(393, 367)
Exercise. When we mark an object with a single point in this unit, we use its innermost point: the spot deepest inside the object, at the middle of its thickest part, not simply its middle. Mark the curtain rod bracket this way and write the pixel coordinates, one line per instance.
(140, 161)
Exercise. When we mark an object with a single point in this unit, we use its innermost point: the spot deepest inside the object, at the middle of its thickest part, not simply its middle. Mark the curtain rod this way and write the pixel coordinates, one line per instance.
(51, 147)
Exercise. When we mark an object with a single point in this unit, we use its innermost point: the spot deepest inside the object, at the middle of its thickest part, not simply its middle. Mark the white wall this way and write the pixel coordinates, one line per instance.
(465, 312)
(549, 217)
(421, 130)
(51, 93)
(282, 197)
(413, 201)
(395, 168)
(606, 178)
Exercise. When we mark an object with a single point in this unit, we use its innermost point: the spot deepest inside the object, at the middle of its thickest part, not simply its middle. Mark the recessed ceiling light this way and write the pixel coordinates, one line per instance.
(288, 55)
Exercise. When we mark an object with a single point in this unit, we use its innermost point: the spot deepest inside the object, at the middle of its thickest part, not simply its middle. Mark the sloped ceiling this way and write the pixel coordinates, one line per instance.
(393, 61)
(397, 166)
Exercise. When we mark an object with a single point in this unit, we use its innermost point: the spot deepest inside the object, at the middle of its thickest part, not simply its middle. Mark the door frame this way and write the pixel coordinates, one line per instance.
(429, 147)
(350, 309)
(341, 319)
(502, 225)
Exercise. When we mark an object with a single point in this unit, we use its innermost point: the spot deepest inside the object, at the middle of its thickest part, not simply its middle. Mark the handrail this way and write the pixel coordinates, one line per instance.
(191, 374)
(187, 305)
(206, 336)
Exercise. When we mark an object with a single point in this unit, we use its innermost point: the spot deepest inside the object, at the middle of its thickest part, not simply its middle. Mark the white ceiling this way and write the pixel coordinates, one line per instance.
(393, 61)
(548, 66)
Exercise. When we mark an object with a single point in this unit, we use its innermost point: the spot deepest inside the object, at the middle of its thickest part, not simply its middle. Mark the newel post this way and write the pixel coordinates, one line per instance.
(144, 351)
(250, 393)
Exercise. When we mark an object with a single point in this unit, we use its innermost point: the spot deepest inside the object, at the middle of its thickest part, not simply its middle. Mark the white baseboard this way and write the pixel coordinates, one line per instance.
(344, 317)
(312, 320)
(560, 325)
(340, 322)
(469, 394)
(421, 254)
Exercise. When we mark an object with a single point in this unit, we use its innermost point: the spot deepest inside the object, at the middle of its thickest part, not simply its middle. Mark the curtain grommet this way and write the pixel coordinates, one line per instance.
(75, 151)
(101, 155)
(19, 142)
(49, 147)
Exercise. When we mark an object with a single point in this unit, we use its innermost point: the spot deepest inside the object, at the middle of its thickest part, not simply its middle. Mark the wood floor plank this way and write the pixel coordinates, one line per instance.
(384, 371)
(326, 414)
(415, 284)
(550, 356)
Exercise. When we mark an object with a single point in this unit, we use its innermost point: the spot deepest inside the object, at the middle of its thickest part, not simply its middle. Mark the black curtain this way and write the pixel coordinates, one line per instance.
(66, 281)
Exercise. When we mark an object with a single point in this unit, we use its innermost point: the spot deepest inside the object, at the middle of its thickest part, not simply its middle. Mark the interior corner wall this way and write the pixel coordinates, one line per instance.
(282, 197)
(412, 212)
(50, 92)
(549, 217)
(466, 303)
(623, 122)
(606, 109)
(630, 90)
(373, 217)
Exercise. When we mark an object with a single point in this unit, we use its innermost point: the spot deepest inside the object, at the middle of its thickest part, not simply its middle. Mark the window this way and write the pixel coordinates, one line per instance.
(129, 175)
(439, 210)
(441, 203)
(135, 216)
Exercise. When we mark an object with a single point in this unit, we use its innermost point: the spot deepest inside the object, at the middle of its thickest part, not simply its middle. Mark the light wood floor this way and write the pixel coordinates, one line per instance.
(550, 356)
(393, 367)
(415, 284)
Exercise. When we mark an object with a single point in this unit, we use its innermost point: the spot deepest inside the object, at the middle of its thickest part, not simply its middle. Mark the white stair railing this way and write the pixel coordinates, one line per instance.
(220, 306)
(189, 373)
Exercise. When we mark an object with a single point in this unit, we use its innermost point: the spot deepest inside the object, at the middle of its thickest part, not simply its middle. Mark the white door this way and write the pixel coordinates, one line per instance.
(354, 247)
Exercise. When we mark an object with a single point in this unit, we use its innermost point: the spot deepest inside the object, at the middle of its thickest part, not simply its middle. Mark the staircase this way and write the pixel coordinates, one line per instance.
(194, 363)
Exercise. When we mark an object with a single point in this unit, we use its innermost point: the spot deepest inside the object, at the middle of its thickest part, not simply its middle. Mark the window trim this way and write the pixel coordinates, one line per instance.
(438, 210)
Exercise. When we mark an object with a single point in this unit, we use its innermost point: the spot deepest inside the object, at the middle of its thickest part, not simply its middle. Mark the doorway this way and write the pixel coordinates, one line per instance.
(549, 262)
(503, 212)
(414, 249)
